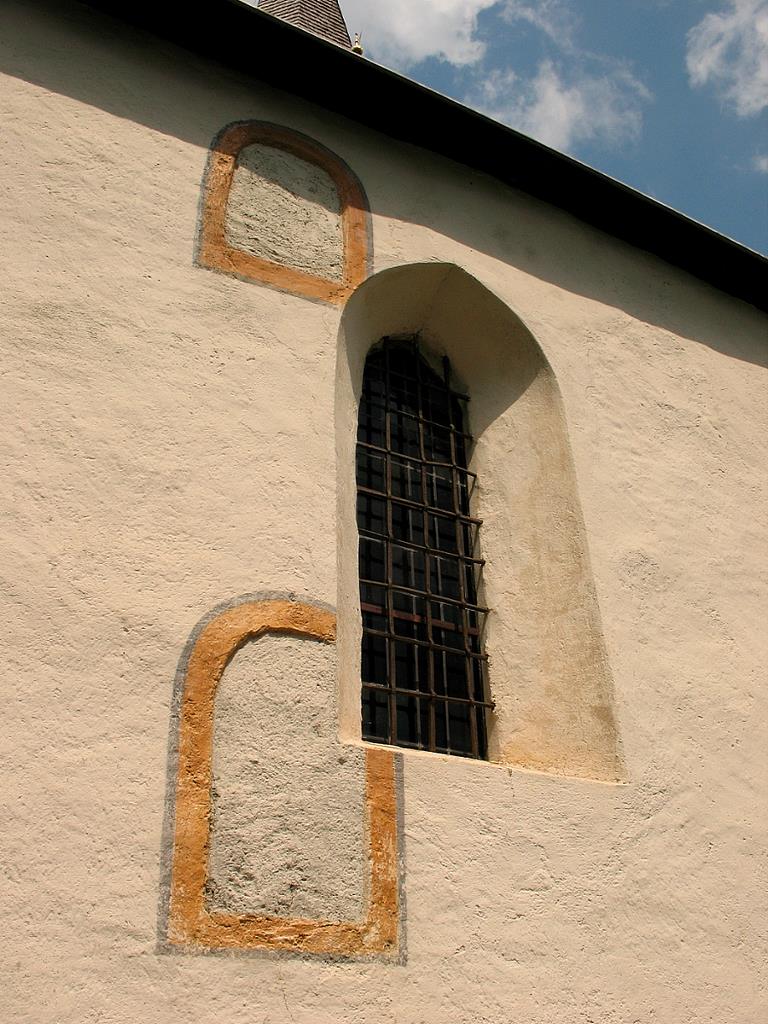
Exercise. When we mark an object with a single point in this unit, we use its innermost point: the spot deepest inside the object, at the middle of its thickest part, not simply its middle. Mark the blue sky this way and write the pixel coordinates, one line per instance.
(670, 96)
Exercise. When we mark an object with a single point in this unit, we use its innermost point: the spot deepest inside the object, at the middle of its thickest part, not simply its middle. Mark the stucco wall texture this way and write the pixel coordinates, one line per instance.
(169, 444)
(285, 210)
(286, 835)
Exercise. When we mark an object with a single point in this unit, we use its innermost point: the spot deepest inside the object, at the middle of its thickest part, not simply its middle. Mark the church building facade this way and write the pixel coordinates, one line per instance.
(384, 501)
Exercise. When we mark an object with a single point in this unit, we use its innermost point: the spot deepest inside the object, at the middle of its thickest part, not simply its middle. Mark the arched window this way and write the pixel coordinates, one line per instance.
(423, 663)
(553, 697)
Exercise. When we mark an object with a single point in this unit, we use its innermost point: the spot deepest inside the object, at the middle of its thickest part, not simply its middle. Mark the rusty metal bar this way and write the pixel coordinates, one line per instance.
(418, 691)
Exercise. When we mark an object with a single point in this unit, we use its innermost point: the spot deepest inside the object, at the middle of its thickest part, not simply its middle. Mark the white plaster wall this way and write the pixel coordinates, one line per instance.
(168, 445)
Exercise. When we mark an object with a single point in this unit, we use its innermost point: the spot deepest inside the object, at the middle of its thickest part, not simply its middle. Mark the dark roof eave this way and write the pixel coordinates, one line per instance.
(288, 58)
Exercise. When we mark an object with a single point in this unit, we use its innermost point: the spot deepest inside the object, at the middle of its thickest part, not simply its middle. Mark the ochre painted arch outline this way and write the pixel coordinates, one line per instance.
(190, 924)
(214, 251)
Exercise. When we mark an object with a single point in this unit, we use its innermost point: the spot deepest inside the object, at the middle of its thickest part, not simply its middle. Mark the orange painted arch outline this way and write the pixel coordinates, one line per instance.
(215, 253)
(190, 924)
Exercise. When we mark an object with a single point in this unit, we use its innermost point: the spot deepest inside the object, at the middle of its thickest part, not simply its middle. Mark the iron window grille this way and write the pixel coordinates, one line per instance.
(423, 663)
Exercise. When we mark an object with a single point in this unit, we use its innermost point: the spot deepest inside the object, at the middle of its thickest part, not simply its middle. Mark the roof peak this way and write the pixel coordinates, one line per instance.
(321, 17)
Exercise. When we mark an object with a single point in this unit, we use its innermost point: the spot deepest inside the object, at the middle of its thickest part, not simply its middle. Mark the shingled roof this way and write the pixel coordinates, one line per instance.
(321, 17)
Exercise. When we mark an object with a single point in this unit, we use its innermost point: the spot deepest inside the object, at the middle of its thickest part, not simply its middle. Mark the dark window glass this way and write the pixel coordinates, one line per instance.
(423, 663)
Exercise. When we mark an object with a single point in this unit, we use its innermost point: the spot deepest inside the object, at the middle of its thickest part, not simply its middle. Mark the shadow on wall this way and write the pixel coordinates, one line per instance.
(548, 671)
(77, 52)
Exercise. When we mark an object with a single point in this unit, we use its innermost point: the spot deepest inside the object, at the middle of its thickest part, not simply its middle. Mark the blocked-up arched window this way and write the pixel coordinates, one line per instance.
(282, 210)
(423, 663)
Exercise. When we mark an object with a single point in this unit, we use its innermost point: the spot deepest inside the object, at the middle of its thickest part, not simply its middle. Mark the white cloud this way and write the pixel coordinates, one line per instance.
(585, 97)
(564, 111)
(760, 163)
(729, 49)
(403, 32)
(553, 17)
